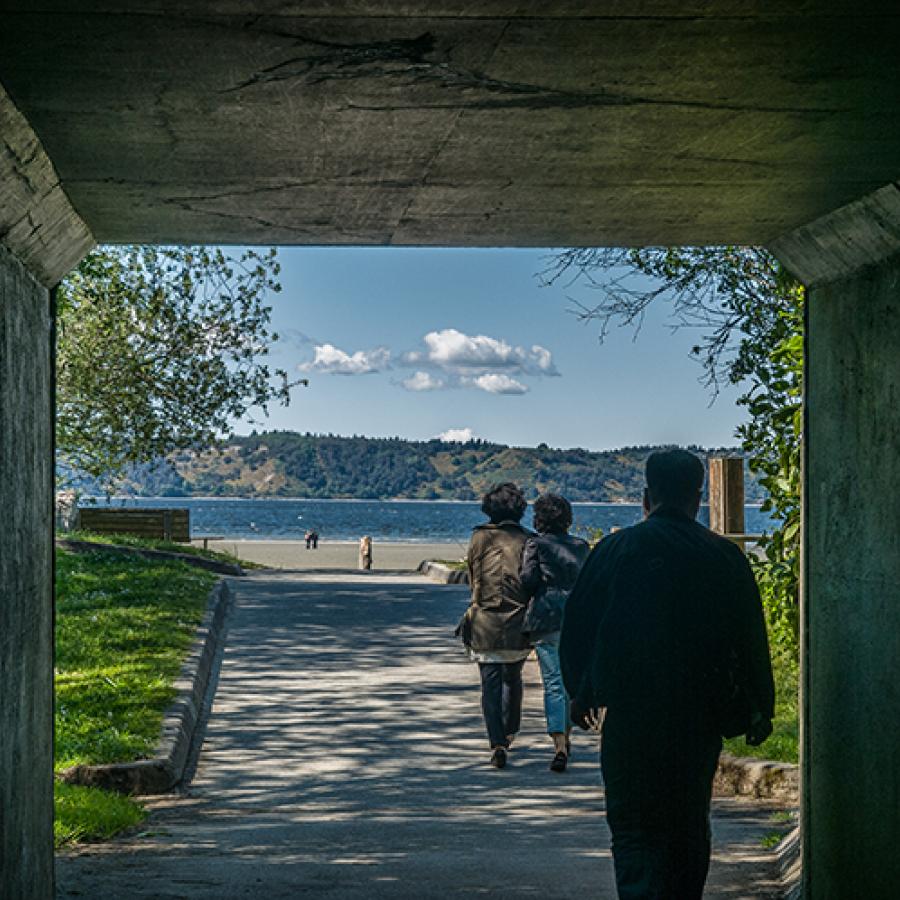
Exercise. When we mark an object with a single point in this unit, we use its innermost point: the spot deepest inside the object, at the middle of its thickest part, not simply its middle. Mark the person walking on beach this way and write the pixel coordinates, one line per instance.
(551, 562)
(491, 627)
(664, 630)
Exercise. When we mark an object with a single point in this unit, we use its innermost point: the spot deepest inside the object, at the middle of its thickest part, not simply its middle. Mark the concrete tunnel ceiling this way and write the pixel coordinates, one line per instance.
(452, 123)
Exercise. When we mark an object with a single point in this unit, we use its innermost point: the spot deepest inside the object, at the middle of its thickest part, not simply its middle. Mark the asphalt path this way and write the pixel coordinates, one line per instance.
(345, 758)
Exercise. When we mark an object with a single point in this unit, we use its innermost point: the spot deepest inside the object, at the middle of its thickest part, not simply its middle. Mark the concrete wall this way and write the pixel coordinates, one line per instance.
(26, 587)
(852, 569)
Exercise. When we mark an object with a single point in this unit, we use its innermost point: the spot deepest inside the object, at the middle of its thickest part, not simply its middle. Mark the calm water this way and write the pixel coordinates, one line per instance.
(385, 520)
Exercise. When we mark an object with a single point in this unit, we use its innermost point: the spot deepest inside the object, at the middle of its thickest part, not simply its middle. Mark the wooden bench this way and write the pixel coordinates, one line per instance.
(159, 524)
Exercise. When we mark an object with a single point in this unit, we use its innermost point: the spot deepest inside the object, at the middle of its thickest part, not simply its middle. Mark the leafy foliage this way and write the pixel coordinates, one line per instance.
(773, 437)
(749, 317)
(159, 350)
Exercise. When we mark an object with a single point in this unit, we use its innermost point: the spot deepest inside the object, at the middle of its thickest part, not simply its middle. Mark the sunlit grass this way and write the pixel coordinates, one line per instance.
(85, 814)
(123, 627)
(783, 745)
(130, 540)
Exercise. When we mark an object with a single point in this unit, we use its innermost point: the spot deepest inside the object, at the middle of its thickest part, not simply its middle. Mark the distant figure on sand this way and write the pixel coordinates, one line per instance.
(314, 538)
(491, 627)
(365, 552)
(551, 562)
(665, 630)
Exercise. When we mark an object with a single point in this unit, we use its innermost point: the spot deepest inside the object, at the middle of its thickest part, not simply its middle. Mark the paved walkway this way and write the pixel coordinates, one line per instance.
(344, 759)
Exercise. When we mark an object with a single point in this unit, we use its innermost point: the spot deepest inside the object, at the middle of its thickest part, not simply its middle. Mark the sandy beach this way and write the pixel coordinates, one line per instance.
(386, 556)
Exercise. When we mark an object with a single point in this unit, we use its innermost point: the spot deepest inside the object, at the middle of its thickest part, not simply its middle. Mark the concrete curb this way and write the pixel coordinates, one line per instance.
(441, 573)
(200, 562)
(165, 770)
(791, 864)
(746, 776)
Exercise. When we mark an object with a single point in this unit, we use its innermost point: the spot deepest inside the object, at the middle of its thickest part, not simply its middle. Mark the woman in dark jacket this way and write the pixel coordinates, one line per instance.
(491, 629)
(551, 561)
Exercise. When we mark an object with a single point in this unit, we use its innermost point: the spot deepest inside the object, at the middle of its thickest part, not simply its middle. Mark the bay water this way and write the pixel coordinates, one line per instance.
(415, 521)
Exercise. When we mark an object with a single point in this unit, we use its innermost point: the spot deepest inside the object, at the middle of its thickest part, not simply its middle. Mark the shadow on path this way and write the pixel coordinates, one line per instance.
(345, 758)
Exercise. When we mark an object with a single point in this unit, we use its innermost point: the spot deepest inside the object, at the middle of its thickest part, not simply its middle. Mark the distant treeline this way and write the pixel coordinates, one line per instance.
(288, 464)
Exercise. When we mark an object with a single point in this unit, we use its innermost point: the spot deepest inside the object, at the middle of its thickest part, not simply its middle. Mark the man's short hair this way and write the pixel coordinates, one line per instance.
(504, 503)
(674, 477)
(552, 514)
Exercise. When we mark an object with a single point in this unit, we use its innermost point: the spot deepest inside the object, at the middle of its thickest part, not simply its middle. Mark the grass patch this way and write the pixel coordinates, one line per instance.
(456, 564)
(771, 840)
(783, 744)
(123, 627)
(131, 540)
(86, 814)
(783, 817)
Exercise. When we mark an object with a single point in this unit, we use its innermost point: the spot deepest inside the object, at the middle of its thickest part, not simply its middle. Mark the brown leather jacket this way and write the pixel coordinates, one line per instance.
(494, 618)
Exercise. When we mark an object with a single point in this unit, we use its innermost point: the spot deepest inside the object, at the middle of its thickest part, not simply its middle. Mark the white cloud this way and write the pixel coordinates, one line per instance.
(423, 381)
(331, 360)
(459, 435)
(497, 384)
(462, 354)
(543, 359)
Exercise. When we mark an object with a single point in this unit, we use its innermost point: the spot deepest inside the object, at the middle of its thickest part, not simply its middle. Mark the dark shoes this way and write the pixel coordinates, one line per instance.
(560, 761)
(498, 758)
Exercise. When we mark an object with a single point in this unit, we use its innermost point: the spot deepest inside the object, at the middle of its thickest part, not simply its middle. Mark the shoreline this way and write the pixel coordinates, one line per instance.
(101, 501)
(337, 555)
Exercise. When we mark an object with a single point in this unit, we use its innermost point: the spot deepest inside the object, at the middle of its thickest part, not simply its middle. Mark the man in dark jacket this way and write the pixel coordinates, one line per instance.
(663, 624)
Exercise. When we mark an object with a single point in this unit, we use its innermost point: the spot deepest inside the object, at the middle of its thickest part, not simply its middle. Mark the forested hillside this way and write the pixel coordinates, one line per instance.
(288, 464)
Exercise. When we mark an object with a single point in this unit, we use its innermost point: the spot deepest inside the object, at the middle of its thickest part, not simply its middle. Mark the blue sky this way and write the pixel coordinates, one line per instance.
(421, 342)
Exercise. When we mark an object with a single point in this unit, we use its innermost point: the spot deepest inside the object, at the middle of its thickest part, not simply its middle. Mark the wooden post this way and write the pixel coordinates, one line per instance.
(365, 552)
(726, 494)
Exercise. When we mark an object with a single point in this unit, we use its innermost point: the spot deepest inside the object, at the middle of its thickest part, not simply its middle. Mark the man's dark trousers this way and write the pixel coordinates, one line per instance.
(501, 699)
(657, 807)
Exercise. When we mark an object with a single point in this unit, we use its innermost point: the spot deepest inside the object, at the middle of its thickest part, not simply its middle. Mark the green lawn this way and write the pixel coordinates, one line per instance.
(123, 627)
(783, 745)
(130, 540)
(457, 565)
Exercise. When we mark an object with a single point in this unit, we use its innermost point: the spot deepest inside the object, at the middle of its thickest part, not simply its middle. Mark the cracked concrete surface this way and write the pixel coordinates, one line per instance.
(345, 758)
(503, 123)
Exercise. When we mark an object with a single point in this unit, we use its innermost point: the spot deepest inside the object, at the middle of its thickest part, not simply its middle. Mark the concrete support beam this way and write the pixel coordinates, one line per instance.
(851, 598)
(860, 234)
(41, 238)
(852, 571)
(26, 586)
(37, 222)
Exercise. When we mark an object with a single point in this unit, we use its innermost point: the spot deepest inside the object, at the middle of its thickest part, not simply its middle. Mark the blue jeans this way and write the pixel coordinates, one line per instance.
(556, 701)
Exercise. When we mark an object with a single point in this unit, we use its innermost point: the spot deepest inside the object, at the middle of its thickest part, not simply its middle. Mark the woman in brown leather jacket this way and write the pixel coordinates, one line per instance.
(492, 626)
